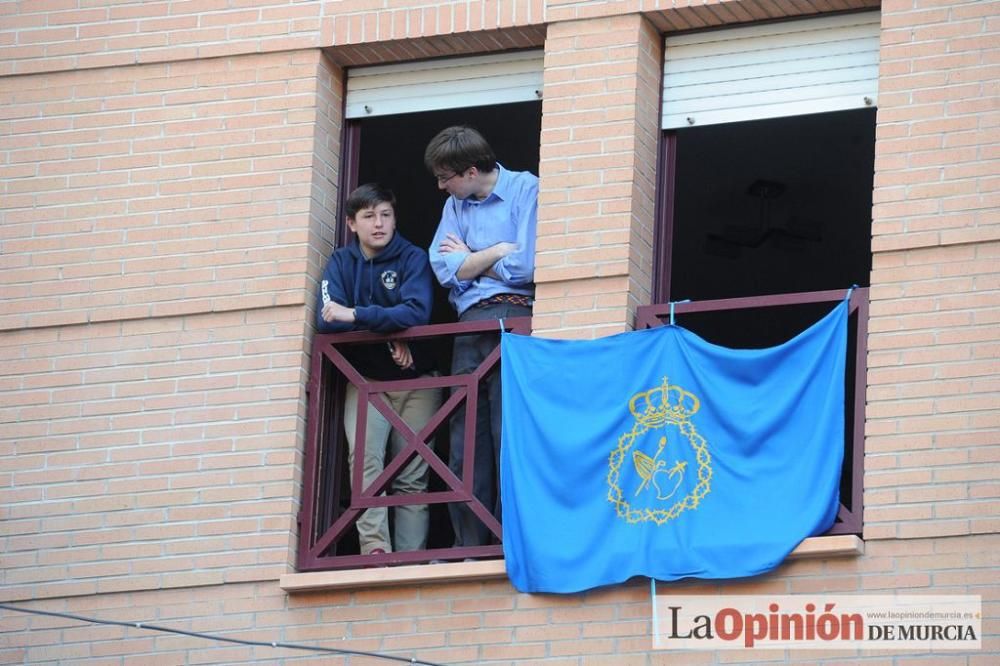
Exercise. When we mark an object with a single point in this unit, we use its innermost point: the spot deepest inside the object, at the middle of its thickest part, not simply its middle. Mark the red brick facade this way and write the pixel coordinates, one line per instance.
(168, 195)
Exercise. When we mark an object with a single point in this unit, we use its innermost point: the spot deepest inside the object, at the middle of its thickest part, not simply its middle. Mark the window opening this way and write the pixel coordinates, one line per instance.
(769, 207)
(389, 149)
(391, 152)
(773, 206)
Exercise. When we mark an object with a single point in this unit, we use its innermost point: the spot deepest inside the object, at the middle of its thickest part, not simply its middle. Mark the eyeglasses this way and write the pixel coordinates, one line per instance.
(442, 178)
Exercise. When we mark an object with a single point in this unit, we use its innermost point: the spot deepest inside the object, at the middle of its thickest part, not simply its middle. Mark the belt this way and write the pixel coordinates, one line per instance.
(510, 299)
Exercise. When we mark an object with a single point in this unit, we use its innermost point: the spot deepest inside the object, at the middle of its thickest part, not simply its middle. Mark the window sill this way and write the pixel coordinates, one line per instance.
(844, 545)
(839, 545)
(414, 574)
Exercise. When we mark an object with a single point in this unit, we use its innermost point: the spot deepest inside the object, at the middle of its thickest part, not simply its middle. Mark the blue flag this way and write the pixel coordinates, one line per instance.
(659, 454)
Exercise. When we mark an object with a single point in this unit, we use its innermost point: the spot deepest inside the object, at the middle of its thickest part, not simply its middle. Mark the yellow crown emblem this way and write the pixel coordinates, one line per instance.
(664, 404)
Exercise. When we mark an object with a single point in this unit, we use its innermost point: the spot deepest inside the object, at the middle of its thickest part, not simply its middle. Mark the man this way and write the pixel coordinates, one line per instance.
(382, 282)
(484, 254)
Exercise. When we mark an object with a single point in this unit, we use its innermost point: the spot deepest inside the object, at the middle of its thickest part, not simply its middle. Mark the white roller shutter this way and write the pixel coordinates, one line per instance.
(780, 69)
(444, 84)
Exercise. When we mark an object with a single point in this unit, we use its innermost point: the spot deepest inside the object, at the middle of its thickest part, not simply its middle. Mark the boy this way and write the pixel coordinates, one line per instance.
(382, 282)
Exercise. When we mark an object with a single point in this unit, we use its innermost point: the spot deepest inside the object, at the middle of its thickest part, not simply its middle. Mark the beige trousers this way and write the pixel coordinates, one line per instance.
(410, 522)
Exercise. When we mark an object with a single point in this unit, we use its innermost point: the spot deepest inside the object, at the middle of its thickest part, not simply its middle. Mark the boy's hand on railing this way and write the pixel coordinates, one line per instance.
(401, 354)
(333, 311)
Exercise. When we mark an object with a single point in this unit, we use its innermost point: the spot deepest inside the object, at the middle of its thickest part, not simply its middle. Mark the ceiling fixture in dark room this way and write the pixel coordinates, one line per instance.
(787, 236)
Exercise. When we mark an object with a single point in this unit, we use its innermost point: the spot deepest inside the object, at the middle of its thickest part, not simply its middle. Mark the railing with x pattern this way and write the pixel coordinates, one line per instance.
(323, 521)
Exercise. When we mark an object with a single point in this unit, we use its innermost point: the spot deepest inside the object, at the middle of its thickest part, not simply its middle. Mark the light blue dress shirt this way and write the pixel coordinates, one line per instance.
(509, 213)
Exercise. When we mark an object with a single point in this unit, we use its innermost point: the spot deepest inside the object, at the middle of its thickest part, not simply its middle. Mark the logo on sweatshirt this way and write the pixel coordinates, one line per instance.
(390, 279)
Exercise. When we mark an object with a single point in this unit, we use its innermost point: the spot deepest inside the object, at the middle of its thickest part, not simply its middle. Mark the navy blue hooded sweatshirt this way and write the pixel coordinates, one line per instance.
(389, 292)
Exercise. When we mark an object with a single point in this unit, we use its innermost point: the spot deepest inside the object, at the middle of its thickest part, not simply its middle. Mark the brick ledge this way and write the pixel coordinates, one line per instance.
(845, 545)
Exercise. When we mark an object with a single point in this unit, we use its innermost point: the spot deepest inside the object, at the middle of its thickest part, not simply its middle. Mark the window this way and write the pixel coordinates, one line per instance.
(393, 112)
(766, 191)
(391, 151)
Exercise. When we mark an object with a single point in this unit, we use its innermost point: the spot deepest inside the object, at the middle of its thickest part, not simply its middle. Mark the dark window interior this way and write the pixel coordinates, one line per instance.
(769, 207)
(392, 153)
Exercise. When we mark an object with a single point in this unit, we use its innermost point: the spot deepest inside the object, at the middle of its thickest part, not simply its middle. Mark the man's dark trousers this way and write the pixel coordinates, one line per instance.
(469, 352)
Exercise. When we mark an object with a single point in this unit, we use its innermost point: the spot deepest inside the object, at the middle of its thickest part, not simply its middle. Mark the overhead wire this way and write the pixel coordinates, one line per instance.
(224, 639)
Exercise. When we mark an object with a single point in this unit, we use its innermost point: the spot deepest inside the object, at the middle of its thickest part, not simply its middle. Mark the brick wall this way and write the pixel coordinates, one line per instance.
(151, 453)
(676, 15)
(50, 35)
(360, 22)
(168, 178)
(932, 444)
(481, 622)
(54, 35)
(325, 165)
(155, 190)
(160, 224)
(597, 169)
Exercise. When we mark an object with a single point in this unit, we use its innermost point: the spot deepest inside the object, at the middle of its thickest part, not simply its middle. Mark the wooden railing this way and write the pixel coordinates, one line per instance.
(324, 520)
(329, 511)
(849, 518)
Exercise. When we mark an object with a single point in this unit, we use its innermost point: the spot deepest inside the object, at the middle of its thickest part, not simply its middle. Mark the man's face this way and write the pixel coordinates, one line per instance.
(374, 227)
(459, 184)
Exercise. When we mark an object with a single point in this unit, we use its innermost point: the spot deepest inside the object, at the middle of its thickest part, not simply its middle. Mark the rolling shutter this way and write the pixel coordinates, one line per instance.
(769, 71)
(444, 84)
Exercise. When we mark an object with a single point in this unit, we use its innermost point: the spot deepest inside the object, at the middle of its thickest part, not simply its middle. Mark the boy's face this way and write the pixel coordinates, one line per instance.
(374, 227)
